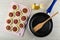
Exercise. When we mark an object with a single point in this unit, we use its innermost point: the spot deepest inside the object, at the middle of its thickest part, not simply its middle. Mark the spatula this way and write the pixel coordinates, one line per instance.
(40, 25)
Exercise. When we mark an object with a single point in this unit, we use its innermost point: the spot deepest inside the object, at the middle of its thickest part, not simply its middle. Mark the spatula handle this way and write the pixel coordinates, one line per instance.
(50, 17)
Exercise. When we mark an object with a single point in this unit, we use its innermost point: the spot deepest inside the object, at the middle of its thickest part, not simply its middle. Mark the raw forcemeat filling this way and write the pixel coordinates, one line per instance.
(17, 19)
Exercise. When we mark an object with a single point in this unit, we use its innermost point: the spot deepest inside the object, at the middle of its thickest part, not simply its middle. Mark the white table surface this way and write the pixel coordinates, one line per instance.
(55, 34)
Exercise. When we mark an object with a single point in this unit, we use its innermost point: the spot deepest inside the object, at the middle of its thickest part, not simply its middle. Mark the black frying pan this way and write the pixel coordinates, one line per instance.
(41, 17)
(38, 18)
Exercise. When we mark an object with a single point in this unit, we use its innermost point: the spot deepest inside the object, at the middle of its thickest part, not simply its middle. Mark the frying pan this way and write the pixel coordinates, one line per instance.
(41, 17)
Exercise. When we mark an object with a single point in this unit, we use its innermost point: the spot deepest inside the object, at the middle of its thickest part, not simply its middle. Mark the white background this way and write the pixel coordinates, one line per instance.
(4, 9)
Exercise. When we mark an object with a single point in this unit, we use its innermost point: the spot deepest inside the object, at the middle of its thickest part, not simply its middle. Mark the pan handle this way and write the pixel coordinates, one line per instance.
(51, 6)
